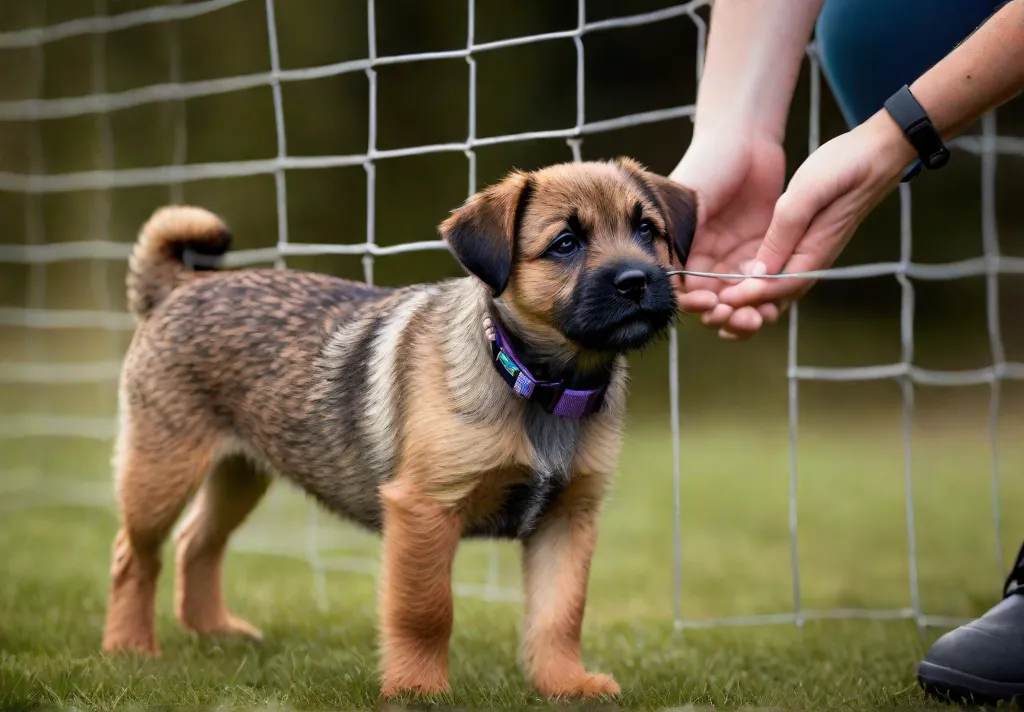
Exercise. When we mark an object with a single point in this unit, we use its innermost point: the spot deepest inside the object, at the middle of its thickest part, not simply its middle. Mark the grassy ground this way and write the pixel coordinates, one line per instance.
(736, 561)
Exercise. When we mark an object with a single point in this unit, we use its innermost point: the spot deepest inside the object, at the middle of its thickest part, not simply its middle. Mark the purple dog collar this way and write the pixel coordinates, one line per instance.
(553, 396)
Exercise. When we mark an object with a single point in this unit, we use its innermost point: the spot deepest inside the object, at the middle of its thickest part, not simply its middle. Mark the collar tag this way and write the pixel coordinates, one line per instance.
(553, 396)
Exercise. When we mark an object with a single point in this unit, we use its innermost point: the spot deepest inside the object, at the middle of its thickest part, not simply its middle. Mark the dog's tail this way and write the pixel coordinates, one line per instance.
(177, 244)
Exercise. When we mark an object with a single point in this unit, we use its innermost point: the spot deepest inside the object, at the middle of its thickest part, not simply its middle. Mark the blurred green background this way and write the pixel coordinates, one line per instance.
(525, 88)
(735, 462)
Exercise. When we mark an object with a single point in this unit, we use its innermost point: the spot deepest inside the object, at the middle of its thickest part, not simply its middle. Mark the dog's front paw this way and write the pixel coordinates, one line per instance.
(414, 688)
(228, 626)
(587, 686)
(142, 645)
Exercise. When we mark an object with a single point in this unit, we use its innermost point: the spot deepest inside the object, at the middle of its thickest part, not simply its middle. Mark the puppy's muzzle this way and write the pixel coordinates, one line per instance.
(620, 307)
(635, 285)
(632, 283)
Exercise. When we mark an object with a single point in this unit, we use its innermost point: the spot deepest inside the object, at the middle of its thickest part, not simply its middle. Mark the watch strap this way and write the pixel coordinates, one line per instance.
(919, 131)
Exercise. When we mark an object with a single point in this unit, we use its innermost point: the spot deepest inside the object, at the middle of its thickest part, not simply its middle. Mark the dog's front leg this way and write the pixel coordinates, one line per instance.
(556, 567)
(415, 601)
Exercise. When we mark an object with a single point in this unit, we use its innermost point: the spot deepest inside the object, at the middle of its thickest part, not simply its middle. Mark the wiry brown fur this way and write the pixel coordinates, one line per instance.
(171, 237)
(384, 406)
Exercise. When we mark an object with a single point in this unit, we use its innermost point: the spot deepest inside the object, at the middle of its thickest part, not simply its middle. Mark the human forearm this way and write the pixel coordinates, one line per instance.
(983, 72)
(846, 178)
(755, 49)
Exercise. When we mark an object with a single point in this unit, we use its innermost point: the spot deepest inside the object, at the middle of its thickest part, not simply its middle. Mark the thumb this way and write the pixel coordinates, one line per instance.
(794, 212)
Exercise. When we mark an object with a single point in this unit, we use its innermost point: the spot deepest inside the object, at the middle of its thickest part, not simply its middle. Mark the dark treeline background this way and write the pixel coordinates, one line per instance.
(525, 88)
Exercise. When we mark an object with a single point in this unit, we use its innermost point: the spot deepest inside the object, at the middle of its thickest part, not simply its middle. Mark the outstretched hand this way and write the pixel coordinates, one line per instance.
(826, 201)
(737, 185)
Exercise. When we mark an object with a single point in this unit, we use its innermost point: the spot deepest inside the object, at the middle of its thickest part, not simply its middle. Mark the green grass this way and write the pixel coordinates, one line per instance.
(736, 561)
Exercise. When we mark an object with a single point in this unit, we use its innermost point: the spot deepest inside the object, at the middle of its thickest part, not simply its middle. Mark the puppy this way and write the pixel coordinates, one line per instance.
(489, 405)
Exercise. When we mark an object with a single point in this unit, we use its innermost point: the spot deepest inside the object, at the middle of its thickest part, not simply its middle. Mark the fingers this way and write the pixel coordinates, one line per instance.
(697, 302)
(793, 214)
(756, 291)
(771, 312)
(788, 226)
(743, 323)
(717, 316)
(690, 283)
(697, 295)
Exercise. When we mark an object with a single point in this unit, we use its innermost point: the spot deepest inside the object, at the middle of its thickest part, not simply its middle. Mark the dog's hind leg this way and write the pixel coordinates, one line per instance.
(226, 498)
(155, 479)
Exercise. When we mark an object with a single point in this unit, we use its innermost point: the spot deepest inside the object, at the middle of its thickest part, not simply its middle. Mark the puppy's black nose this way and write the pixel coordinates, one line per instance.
(631, 283)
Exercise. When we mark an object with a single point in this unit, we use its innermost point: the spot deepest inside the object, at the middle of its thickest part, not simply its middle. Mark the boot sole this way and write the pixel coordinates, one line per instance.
(953, 685)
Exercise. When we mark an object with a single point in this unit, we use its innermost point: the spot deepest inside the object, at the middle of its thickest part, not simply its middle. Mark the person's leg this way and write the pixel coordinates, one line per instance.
(869, 49)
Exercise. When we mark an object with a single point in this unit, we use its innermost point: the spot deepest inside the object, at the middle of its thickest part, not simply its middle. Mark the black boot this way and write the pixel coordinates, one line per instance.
(982, 662)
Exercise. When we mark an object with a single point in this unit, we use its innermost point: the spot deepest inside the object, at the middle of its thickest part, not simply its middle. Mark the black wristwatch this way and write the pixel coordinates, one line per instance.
(919, 131)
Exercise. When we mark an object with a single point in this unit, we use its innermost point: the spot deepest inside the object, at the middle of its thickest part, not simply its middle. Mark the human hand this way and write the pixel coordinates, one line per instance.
(826, 201)
(737, 184)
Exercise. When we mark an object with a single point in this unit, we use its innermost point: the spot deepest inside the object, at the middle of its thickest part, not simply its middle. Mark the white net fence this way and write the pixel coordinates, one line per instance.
(319, 540)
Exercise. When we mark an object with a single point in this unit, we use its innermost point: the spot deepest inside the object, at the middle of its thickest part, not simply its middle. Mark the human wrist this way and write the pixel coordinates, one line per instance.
(754, 56)
(707, 162)
(736, 126)
(747, 108)
(893, 152)
(718, 143)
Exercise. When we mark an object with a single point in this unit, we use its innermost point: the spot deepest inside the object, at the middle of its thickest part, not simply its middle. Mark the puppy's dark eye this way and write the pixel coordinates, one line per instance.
(564, 246)
(646, 230)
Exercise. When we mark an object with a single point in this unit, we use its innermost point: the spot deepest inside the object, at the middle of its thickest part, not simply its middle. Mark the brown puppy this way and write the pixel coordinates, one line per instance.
(395, 409)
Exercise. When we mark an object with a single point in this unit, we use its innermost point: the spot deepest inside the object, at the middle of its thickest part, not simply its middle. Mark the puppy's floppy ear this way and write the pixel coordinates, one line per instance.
(481, 233)
(680, 206)
(678, 203)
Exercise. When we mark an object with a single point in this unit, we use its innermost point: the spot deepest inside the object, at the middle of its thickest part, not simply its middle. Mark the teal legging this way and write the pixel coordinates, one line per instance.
(870, 48)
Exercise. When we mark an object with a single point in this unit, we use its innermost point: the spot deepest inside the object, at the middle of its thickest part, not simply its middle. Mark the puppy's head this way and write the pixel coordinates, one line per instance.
(579, 251)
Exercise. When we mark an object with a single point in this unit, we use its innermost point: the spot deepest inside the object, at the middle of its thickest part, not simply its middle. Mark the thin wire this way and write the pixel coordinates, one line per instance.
(38, 254)
(492, 588)
(793, 372)
(907, 389)
(990, 242)
(179, 112)
(575, 142)
(471, 119)
(581, 12)
(38, 36)
(102, 223)
(794, 419)
(675, 427)
(35, 224)
(164, 175)
(371, 149)
(79, 105)
(281, 201)
(677, 516)
(90, 249)
(280, 187)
